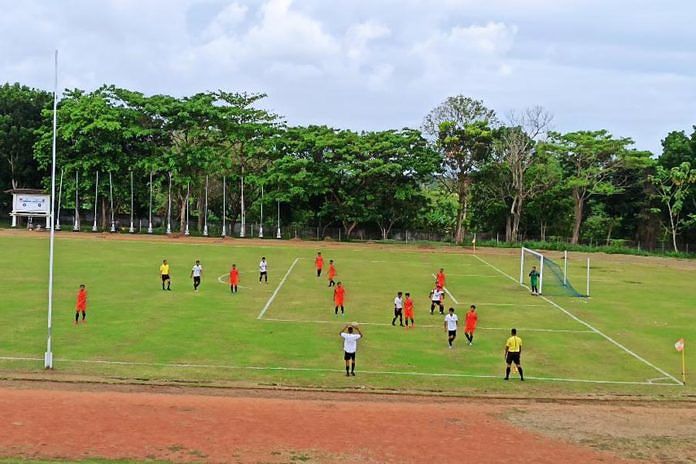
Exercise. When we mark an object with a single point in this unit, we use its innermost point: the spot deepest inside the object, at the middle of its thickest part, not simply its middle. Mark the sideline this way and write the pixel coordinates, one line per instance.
(588, 325)
(280, 284)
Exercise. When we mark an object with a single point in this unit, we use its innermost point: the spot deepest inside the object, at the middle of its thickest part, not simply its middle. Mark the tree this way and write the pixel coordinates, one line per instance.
(20, 117)
(589, 159)
(672, 188)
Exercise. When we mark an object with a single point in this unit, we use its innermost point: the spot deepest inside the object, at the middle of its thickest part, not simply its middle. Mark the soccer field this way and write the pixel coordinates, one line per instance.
(285, 333)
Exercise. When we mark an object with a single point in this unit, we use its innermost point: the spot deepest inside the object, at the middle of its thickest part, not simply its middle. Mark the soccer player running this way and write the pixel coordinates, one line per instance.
(263, 270)
(408, 310)
(470, 325)
(440, 278)
(398, 309)
(451, 322)
(332, 273)
(534, 281)
(164, 273)
(350, 346)
(196, 272)
(319, 263)
(339, 298)
(513, 351)
(81, 304)
(234, 278)
(437, 296)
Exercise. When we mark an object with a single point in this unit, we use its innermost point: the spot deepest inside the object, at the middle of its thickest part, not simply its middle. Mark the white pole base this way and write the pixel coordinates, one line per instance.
(149, 228)
(48, 222)
(278, 235)
(113, 227)
(205, 230)
(260, 231)
(57, 225)
(169, 229)
(48, 360)
(94, 227)
(76, 227)
(224, 231)
(186, 231)
(131, 229)
(14, 221)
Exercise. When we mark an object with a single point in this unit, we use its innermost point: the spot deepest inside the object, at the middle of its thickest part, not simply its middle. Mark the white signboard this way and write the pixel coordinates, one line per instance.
(31, 204)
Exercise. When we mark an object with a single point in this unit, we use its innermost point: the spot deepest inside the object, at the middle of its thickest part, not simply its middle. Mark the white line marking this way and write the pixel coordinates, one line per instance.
(319, 369)
(280, 284)
(586, 324)
(448, 292)
(429, 326)
(219, 279)
(508, 304)
(473, 275)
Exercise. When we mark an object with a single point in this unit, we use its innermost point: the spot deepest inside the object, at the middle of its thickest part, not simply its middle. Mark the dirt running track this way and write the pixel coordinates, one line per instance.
(263, 427)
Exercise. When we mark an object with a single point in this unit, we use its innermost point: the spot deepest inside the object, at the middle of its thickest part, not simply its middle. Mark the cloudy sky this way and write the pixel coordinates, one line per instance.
(625, 65)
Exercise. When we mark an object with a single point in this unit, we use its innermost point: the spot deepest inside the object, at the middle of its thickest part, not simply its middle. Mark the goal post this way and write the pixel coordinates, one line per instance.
(553, 278)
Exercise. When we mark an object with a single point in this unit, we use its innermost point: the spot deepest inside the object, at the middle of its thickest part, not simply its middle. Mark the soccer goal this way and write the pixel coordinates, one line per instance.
(553, 278)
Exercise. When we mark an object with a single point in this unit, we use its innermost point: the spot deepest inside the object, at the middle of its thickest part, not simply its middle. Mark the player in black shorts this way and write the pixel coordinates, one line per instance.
(513, 352)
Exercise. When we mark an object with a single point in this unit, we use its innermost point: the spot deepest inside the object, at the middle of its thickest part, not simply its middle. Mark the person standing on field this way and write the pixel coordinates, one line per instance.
(164, 273)
(196, 272)
(470, 325)
(440, 278)
(81, 304)
(513, 352)
(319, 263)
(234, 278)
(263, 270)
(350, 346)
(332, 273)
(398, 309)
(339, 298)
(451, 322)
(437, 296)
(534, 280)
(408, 310)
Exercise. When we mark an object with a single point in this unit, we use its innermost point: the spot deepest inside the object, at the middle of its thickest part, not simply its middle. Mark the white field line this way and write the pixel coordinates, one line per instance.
(588, 325)
(280, 284)
(219, 279)
(448, 292)
(508, 304)
(473, 275)
(316, 369)
(429, 326)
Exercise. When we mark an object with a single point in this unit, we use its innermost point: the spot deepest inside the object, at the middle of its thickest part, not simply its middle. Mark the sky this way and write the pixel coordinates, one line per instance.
(628, 66)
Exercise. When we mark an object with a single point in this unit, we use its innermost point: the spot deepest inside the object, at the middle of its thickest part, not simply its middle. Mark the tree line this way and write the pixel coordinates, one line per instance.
(467, 169)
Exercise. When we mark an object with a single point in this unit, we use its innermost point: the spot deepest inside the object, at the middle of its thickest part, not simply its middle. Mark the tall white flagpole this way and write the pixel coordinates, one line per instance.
(60, 193)
(205, 208)
(149, 223)
(76, 225)
(188, 192)
(169, 205)
(131, 229)
(48, 355)
(261, 224)
(243, 225)
(96, 201)
(278, 235)
(111, 202)
(224, 206)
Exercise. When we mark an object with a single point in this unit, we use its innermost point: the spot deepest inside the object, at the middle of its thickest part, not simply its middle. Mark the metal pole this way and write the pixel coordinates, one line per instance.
(588, 276)
(541, 277)
(96, 201)
(149, 223)
(131, 229)
(48, 355)
(243, 225)
(169, 205)
(522, 266)
(60, 193)
(188, 192)
(76, 224)
(224, 206)
(278, 235)
(111, 201)
(261, 223)
(205, 217)
(565, 268)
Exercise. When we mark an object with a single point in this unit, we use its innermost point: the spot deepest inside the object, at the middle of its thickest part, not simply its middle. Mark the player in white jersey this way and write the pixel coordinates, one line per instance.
(263, 270)
(398, 309)
(350, 346)
(451, 322)
(437, 296)
(196, 272)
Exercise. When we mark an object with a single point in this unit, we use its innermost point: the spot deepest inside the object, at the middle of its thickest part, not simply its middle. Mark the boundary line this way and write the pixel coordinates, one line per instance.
(280, 284)
(588, 325)
(447, 291)
(429, 326)
(328, 370)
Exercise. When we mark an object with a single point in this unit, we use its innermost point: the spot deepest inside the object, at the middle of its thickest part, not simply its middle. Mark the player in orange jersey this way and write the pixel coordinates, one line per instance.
(81, 305)
(408, 310)
(234, 278)
(319, 263)
(332, 273)
(440, 278)
(339, 298)
(470, 324)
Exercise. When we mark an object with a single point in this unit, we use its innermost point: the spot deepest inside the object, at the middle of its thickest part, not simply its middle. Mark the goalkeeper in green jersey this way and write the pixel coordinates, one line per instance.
(534, 281)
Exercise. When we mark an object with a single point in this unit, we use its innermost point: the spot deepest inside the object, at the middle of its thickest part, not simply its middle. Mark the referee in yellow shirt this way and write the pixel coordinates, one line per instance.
(513, 351)
(164, 272)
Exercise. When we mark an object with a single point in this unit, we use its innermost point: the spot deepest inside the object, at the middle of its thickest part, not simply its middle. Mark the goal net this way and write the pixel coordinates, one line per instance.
(553, 277)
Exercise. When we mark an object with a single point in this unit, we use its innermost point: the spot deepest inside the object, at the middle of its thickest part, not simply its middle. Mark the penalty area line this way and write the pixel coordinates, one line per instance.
(280, 284)
(329, 370)
(588, 325)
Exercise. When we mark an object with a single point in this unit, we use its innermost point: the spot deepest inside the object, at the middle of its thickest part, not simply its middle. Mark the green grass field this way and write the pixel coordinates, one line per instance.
(137, 331)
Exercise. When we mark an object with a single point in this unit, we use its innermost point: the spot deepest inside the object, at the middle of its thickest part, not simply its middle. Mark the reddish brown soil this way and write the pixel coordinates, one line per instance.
(73, 423)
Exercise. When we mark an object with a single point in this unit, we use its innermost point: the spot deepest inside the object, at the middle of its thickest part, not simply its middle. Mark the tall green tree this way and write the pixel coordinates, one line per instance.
(672, 188)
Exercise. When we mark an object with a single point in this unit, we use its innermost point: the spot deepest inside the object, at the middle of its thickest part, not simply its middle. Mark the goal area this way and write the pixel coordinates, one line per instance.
(553, 277)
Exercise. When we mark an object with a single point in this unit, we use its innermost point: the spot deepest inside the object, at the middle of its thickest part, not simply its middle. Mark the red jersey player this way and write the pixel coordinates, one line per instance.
(471, 321)
(319, 263)
(234, 278)
(339, 298)
(81, 304)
